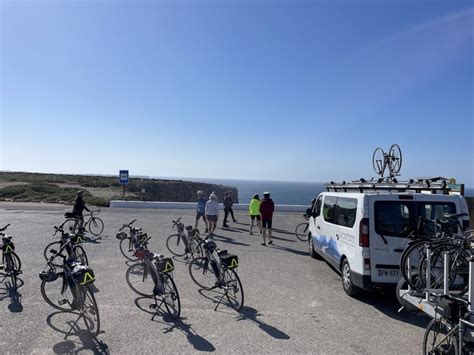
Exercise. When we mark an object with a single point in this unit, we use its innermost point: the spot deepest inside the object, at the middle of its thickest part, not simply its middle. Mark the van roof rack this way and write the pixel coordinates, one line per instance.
(434, 185)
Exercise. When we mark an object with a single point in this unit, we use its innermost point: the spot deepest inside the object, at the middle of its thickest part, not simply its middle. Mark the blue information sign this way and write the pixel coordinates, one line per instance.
(123, 177)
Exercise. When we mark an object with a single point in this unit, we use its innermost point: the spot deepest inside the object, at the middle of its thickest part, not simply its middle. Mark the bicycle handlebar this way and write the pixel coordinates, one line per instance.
(5, 227)
(127, 225)
(175, 223)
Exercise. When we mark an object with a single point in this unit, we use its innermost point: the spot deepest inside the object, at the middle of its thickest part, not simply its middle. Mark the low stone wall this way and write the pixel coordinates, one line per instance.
(192, 205)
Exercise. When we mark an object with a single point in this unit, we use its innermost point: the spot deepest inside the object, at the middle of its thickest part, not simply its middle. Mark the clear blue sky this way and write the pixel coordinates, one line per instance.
(263, 90)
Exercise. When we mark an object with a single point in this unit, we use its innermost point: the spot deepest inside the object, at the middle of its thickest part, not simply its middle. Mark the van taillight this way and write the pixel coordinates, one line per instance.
(364, 232)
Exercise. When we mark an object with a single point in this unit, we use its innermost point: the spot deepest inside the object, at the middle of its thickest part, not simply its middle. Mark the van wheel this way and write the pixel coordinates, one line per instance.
(313, 253)
(347, 284)
(403, 285)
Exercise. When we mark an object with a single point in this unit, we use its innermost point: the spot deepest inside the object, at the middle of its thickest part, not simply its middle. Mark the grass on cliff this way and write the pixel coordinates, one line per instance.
(51, 193)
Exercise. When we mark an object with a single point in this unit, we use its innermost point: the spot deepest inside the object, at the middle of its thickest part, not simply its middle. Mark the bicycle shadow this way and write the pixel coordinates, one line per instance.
(198, 342)
(217, 296)
(84, 342)
(10, 292)
(251, 314)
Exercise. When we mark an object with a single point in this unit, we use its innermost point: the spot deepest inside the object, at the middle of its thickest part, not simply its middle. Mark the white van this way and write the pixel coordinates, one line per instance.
(363, 234)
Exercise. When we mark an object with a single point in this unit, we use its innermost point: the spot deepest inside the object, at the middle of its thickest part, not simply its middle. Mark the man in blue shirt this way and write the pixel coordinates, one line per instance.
(201, 209)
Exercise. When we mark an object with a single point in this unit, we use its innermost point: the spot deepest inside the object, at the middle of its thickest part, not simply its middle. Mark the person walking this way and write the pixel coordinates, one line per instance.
(212, 212)
(266, 211)
(201, 209)
(228, 202)
(254, 213)
(79, 207)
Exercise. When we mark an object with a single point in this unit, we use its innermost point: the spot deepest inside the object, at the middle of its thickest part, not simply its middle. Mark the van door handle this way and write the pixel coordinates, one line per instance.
(318, 227)
(337, 236)
(398, 250)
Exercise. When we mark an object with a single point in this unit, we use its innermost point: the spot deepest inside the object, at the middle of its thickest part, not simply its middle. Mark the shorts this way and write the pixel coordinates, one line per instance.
(267, 223)
(211, 218)
(256, 216)
(200, 214)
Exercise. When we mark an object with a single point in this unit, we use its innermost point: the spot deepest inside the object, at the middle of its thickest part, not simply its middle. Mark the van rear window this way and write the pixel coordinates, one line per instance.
(400, 218)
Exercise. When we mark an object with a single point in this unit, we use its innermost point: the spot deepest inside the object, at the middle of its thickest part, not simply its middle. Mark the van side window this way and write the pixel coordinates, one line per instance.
(317, 206)
(346, 211)
(329, 208)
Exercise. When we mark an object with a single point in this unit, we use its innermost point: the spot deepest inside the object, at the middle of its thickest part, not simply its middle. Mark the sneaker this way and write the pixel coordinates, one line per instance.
(235, 220)
(250, 233)
(270, 242)
(263, 244)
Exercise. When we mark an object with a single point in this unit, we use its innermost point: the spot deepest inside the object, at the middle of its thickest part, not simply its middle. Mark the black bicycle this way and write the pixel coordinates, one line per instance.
(70, 290)
(94, 223)
(209, 273)
(152, 277)
(301, 230)
(72, 244)
(131, 242)
(184, 243)
(11, 264)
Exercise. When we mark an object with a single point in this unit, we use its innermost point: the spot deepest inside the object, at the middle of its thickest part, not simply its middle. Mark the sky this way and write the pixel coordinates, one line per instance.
(262, 90)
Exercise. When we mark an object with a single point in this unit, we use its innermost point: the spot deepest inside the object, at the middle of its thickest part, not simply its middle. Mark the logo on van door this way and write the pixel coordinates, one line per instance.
(350, 239)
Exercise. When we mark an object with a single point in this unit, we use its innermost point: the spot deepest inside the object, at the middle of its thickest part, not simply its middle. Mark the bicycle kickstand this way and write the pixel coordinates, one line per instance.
(73, 325)
(222, 297)
(156, 307)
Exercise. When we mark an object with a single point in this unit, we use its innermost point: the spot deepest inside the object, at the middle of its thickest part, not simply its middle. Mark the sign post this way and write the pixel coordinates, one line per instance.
(123, 180)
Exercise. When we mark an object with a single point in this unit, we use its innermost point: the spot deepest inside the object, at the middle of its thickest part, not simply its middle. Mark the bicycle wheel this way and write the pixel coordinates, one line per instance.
(139, 280)
(395, 162)
(439, 340)
(378, 161)
(96, 226)
(11, 271)
(69, 225)
(196, 249)
(127, 249)
(47, 254)
(235, 292)
(171, 296)
(57, 293)
(201, 272)
(90, 310)
(16, 261)
(410, 259)
(175, 245)
(301, 231)
(81, 254)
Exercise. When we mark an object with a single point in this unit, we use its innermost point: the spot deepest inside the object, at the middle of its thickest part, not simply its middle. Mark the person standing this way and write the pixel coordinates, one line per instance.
(212, 212)
(266, 211)
(254, 213)
(201, 209)
(79, 207)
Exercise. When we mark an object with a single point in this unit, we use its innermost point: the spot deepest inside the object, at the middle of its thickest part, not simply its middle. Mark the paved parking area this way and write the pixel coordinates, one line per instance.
(293, 304)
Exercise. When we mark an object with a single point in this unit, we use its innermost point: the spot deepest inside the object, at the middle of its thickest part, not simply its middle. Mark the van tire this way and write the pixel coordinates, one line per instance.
(403, 285)
(313, 253)
(349, 288)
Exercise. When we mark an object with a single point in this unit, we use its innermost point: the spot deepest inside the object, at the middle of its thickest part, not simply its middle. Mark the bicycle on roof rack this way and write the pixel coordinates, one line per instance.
(94, 224)
(131, 242)
(70, 290)
(209, 273)
(151, 277)
(70, 242)
(11, 264)
(184, 243)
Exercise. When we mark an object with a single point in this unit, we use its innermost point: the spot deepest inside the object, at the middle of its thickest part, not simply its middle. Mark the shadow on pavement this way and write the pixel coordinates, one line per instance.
(294, 251)
(249, 313)
(198, 342)
(230, 240)
(11, 293)
(71, 328)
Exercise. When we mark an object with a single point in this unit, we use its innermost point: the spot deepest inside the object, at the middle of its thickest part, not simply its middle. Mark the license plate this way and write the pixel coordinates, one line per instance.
(388, 272)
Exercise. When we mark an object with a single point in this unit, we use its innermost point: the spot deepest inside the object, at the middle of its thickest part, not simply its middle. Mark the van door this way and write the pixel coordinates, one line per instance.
(390, 223)
(326, 239)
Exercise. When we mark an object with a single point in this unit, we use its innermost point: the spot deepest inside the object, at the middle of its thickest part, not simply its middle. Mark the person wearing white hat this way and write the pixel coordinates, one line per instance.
(212, 212)
(201, 209)
(266, 211)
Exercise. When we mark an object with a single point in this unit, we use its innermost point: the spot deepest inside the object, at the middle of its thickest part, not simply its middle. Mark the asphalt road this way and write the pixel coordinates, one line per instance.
(293, 304)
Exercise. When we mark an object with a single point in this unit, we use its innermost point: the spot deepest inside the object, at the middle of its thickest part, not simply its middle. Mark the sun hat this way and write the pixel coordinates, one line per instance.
(266, 193)
(200, 192)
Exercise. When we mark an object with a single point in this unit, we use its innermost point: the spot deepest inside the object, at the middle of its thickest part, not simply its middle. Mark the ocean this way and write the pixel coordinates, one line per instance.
(282, 192)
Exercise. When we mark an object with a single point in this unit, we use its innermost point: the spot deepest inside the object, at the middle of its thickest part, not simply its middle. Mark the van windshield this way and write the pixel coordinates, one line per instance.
(400, 218)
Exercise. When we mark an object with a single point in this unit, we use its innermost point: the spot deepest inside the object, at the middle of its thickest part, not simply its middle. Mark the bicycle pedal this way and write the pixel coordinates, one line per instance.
(62, 302)
(153, 306)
